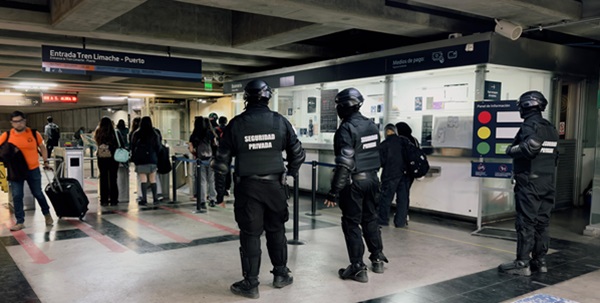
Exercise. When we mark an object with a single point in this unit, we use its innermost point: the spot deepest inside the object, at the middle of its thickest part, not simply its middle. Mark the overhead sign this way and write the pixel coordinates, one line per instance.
(59, 98)
(56, 59)
(457, 55)
(450, 56)
(495, 125)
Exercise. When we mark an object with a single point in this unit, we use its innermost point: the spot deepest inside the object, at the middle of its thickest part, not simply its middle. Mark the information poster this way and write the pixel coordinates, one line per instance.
(329, 119)
(452, 131)
(494, 128)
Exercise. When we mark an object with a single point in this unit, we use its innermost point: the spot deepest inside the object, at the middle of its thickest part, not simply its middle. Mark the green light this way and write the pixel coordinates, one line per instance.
(208, 86)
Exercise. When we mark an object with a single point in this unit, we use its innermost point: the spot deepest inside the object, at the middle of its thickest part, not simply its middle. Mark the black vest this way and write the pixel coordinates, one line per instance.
(366, 144)
(258, 137)
(545, 162)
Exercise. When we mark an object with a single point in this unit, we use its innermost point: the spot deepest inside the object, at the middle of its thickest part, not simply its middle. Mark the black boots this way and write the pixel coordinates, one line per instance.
(281, 277)
(538, 265)
(516, 267)
(377, 262)
(154, 195)
(354, 271)
(246, 288)
(144, 189)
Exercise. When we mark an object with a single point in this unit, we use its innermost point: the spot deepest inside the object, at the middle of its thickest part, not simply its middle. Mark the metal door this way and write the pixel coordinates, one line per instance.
(568, 103)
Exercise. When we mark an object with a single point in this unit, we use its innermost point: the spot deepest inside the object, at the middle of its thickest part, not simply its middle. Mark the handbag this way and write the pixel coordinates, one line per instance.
(121, 154)
(164, 163)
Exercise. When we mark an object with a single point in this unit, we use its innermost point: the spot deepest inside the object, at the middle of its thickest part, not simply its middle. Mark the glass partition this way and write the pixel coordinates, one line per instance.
(311, 108)
(515, 81)
(438, 107)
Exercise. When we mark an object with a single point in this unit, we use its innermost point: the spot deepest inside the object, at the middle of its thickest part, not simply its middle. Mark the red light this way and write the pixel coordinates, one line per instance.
(59, 98)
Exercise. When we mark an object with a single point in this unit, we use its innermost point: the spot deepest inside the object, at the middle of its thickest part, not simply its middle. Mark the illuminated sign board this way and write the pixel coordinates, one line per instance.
(78, 61)
(59, 98)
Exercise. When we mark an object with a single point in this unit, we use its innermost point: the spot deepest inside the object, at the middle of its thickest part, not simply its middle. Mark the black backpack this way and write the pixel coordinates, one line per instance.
(417, 165)
(54, 136)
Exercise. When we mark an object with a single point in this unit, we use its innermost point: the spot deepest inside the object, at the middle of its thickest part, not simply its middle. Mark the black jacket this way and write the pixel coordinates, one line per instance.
(256, 138)
(391, 153)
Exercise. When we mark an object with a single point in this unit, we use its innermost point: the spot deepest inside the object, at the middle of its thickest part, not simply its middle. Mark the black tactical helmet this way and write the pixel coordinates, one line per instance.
(257, 91)
(350, 97)
(532, 99)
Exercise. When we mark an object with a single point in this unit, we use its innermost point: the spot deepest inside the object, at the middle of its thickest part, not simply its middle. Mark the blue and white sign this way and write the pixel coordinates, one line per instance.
(56, 59)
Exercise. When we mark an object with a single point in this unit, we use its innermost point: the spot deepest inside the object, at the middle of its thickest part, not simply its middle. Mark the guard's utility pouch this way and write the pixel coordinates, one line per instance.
(286, 187)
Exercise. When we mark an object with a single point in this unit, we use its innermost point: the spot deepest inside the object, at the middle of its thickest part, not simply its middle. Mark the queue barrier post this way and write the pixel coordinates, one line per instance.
(174, 178)
(313, 190)
(295, 240)
(197, 185)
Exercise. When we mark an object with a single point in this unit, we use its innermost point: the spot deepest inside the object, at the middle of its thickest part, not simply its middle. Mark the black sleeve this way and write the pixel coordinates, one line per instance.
(383, 152)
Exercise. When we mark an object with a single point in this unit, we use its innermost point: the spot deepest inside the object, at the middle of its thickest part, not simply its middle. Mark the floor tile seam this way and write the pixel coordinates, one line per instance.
(544, 285)
(455, 240)
(15, 271)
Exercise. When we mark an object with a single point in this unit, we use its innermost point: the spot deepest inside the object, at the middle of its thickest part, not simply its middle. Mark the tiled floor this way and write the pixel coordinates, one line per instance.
(170, 254)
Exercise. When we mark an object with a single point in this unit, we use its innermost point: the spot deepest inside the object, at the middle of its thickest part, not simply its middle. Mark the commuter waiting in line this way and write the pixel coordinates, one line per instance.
(220, 129)
(200, 148)
(106, 140)
(22, 161)
(145, 145)
(356, 186)
(256, 138)
(394, 180)
(78, 136)
(124, 131)
(405, 131)
(52, 133)
(535, 156)
(135, 125)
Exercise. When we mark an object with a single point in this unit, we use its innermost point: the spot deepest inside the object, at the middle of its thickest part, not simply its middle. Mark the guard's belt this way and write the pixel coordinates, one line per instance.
(271, 177)
(363, 175)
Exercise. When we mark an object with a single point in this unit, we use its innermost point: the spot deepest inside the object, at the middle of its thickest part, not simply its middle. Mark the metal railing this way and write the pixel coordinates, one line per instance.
(177, 161)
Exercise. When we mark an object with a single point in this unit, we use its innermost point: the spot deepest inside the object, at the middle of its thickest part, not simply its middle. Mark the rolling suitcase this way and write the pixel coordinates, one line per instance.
(67, 196)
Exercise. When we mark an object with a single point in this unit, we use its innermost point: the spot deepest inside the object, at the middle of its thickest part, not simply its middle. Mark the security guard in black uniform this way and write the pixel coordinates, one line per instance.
(535, 156)
(356, 185)
(256, 138)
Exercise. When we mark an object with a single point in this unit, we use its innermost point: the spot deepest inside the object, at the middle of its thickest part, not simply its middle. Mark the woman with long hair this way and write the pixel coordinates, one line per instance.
(124, 132)
(106, 140)
(200, 147)
(145, 145)
(135, 124)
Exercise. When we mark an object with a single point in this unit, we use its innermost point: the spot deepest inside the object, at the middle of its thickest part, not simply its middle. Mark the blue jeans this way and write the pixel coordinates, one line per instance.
(34, 179)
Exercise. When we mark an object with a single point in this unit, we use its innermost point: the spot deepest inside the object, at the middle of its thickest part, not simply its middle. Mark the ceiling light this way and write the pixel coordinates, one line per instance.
(508, 29)
(142, 95)
(198, 93)
(9, 100)
(34, 85)
(10, 94)
(112, 98)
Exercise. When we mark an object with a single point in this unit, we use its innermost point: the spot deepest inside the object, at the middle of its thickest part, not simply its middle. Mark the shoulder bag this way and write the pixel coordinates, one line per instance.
(121, 154)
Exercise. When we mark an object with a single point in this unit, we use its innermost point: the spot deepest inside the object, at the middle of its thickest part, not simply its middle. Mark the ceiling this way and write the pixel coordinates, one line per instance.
(234, 37)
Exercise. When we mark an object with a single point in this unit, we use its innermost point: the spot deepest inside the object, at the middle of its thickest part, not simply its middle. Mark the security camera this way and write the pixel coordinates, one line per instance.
(218, 77)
